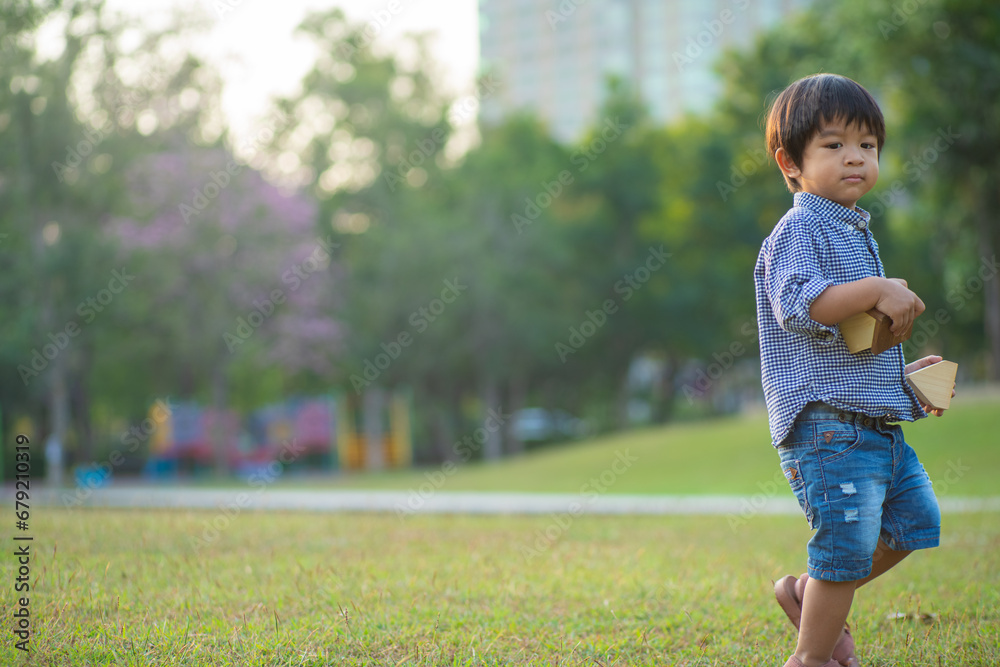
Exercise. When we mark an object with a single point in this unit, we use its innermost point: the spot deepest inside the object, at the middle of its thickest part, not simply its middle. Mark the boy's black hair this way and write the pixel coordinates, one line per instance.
(798, 113)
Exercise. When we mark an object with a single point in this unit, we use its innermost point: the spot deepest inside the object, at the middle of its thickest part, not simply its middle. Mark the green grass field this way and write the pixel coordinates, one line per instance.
(133, 587)
(961, 452)
(127, 588)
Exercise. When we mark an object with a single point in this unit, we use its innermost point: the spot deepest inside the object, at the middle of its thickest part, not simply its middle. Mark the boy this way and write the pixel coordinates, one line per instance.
(831, 412)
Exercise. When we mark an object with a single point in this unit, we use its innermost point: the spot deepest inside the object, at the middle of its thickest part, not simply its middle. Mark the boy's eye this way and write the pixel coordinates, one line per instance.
(867, 145)
(835, 144)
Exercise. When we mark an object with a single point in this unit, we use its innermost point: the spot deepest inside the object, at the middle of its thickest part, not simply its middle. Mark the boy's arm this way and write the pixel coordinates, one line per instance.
(791, 271)
(889, 295)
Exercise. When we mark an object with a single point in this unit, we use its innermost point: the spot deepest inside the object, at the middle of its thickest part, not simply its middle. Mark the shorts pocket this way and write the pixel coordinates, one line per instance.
(834, 439)
(793, 473)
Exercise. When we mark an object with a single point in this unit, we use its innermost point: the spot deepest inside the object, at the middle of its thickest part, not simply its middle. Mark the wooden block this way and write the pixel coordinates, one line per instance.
(871, 330)
(858, 332)
(933, 384)
(884, 338)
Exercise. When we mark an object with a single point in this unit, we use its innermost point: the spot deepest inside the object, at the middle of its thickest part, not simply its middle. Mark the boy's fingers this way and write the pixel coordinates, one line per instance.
(929, 361)
(937, 412)
(900, 326)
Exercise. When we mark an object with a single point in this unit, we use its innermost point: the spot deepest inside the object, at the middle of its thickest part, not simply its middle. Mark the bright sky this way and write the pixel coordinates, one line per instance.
(251, 42)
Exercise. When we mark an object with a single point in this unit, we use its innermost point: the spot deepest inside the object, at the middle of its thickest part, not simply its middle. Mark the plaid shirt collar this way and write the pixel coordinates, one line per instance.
(827, 209)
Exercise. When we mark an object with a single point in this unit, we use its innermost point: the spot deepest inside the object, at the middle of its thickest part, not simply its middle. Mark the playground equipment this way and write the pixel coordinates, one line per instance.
(371, 431)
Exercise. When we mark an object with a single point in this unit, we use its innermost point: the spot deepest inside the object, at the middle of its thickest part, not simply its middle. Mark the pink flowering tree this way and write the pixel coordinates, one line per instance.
(235, 280)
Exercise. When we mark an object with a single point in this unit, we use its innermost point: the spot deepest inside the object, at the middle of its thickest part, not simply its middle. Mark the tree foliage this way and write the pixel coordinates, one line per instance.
(139, 242)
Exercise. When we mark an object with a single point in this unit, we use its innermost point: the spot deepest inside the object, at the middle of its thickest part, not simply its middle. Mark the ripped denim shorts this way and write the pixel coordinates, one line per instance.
(857, 480)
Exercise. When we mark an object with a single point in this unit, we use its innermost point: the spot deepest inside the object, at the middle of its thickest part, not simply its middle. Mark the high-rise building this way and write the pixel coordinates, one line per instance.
(554, 56)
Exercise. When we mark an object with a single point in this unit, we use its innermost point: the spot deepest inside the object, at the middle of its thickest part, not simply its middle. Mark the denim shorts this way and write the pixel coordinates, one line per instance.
(857, 480)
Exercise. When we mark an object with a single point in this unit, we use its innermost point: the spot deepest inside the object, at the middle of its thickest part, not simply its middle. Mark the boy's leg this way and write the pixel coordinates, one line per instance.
(911, 517)
(883, 560)
(839, 470)
(824, 612)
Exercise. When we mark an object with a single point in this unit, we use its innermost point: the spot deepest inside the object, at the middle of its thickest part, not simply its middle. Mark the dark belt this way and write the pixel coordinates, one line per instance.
(848, 417)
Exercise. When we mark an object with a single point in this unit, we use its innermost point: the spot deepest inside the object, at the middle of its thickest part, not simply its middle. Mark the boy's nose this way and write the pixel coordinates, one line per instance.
(854, 157)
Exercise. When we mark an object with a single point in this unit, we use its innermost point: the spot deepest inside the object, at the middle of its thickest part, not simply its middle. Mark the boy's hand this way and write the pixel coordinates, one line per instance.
(924, 363)
(899, 303)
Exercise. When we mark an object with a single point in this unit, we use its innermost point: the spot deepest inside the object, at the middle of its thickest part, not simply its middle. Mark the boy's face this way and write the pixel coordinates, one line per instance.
(839, 163)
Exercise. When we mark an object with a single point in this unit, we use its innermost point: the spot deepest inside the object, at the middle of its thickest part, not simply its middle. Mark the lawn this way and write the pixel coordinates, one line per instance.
(129, 588)
(961, 452)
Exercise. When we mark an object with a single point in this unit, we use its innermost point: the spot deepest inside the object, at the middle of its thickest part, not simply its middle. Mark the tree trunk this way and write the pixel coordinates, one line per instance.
(218, 434)
(493, 446)
(621, 401)
(443, 428)
(55, 446)
(517, 393)
(663, 399)
(80, 400)
(991, 292)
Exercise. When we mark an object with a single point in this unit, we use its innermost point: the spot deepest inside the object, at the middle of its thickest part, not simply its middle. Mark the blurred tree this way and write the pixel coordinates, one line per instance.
(934, 68)
(941, 67)
(228, 274)
(618, 181)
(365, 126)
(18, 17)
(707, 216)
(367, 132)
(480, 281)
(508, 204)
(75, 122)
(47, 211)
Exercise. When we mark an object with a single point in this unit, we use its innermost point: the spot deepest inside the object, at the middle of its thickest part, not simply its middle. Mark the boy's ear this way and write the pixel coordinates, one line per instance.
(785, 164)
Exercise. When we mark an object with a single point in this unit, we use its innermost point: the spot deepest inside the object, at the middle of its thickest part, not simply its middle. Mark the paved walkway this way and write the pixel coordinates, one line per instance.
(441, 502)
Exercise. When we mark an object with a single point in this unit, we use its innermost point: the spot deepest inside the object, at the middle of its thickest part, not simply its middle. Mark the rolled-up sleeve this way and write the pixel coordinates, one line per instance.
(794, 279)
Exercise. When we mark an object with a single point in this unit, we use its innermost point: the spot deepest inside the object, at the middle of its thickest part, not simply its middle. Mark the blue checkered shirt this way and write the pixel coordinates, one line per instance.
(816, 244)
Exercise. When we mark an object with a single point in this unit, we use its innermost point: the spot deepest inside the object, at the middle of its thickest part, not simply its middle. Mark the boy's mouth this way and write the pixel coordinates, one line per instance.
(854, 178)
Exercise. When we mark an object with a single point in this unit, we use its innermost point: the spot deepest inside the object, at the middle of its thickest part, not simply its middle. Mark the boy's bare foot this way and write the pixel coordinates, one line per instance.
(788, 590)
(795, 662)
